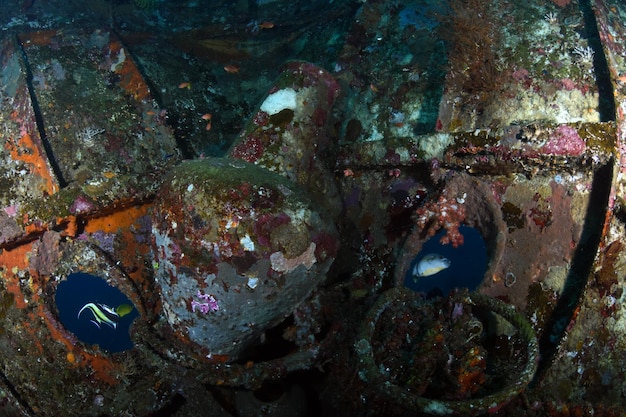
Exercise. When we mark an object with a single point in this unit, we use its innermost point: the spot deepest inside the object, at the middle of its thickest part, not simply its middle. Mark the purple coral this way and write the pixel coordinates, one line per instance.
(82, 204)
(565, 140)
(209, 303)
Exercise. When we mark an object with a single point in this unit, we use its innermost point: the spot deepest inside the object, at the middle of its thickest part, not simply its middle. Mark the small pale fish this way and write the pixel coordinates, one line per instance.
(102, 313)
(231, 69)
(430, 265)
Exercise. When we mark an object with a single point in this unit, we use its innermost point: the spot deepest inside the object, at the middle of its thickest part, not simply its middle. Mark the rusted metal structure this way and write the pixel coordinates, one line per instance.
(235, 271)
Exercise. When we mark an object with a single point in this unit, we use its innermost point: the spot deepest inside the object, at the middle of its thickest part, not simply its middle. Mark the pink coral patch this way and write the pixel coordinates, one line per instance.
(564, 141)
(82, 205)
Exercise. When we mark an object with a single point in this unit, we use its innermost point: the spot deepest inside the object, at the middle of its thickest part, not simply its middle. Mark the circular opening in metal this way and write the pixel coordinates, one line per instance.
(438, 267)
(95, 312)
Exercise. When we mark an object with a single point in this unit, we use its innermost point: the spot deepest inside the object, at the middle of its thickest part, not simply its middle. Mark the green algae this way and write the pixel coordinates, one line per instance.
(599, 137)
(512, 216)
(282, 118)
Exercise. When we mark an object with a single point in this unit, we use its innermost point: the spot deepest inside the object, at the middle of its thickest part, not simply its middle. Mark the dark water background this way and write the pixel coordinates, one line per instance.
(467, 269)
(81, 288)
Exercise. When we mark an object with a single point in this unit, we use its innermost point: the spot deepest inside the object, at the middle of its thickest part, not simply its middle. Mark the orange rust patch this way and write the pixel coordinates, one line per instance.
(219, 358)
(117, 220)
(34, 228)
(132, 254)
(132, 257)
(38, 38)
(71, 225)
(103, 368)
(31, 329)
(131, 80)
(31, 154)
(14, 260)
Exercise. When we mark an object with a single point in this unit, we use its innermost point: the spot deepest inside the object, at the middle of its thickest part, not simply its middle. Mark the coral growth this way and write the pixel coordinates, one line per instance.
(207, 303)
(472, 35)
(443, 213)
(81, 205)
(282, 264)
(249, 149)
(430, 355)
(565, 140)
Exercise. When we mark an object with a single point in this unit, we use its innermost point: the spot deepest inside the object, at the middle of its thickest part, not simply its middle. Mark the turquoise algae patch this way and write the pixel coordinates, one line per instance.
(439, 268)
(95, 312)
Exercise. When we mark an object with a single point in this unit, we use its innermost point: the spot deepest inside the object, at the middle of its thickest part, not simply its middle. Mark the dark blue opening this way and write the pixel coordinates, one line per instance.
(468, 264)
(81, 289)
